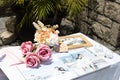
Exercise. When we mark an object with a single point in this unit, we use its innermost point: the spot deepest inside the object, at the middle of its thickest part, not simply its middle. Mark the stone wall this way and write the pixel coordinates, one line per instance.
(101, 20)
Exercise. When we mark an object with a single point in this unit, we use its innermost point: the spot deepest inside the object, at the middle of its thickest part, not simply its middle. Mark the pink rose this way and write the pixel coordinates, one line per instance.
(44, 52)
(27, 47)
(32, 60)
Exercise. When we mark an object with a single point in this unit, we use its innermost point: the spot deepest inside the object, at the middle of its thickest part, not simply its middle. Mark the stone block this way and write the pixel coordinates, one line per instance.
(7, 37)
(112, 10)
(93, 15)
(84, 28)
(118, 1)
(66, 27)
(114, 40)
(101, 31)
(2, 23)
(92, 4)
(100, 6)
(118, 40)
(10, 24)
(104, 21)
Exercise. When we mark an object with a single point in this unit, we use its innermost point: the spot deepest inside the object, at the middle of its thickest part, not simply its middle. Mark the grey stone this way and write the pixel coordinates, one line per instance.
(115, 34)
(104, 21)
(2, 23)
(93, 4)
(93, 15)
(83, 27)
(7, 37)
(101, 31)
(1, 42)
(112, 10)
(101, 41)
(66, 27)
(118, 40)
(3, 20)
(118, 1)
(117, 51)
(10, 24)
(101, 5)
(2, 30)
(65, 21)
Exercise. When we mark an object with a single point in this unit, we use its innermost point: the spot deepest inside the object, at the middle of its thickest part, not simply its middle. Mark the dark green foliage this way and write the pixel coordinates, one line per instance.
(33, 10)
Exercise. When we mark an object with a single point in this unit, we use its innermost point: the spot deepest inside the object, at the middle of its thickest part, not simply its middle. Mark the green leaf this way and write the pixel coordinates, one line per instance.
(75, 6)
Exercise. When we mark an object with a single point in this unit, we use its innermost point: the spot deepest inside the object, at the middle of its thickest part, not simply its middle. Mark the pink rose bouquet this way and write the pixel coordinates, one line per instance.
(33, 59)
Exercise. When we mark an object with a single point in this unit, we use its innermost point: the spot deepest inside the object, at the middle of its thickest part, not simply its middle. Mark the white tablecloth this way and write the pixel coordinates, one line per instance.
(109, 71)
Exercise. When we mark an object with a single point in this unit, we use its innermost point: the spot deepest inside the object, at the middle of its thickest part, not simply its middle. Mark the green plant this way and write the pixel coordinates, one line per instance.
(1, 2)
(33, 10)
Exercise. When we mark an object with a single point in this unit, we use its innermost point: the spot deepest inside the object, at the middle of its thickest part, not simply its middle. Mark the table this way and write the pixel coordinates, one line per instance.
(104, 68)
